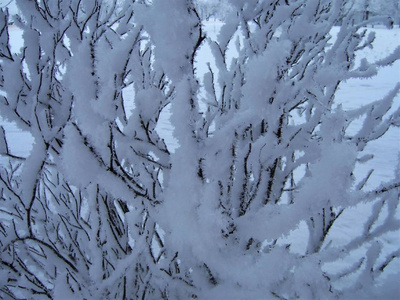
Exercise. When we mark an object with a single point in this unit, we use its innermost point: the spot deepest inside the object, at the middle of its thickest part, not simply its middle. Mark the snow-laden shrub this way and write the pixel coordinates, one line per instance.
(104, 208)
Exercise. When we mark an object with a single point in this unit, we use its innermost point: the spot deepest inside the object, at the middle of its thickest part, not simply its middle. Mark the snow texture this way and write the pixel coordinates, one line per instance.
(148, 153)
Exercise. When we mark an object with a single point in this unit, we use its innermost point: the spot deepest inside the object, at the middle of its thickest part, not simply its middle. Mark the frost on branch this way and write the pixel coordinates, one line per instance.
(252, 202)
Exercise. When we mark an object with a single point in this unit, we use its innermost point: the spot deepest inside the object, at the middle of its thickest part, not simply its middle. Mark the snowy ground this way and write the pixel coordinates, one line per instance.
(352, 94)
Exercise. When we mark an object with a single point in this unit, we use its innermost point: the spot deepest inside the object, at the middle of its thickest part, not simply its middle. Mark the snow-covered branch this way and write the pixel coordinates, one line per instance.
(104, 206)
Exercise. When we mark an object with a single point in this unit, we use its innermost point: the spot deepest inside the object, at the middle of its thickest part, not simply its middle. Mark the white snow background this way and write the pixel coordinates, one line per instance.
(352, 94)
